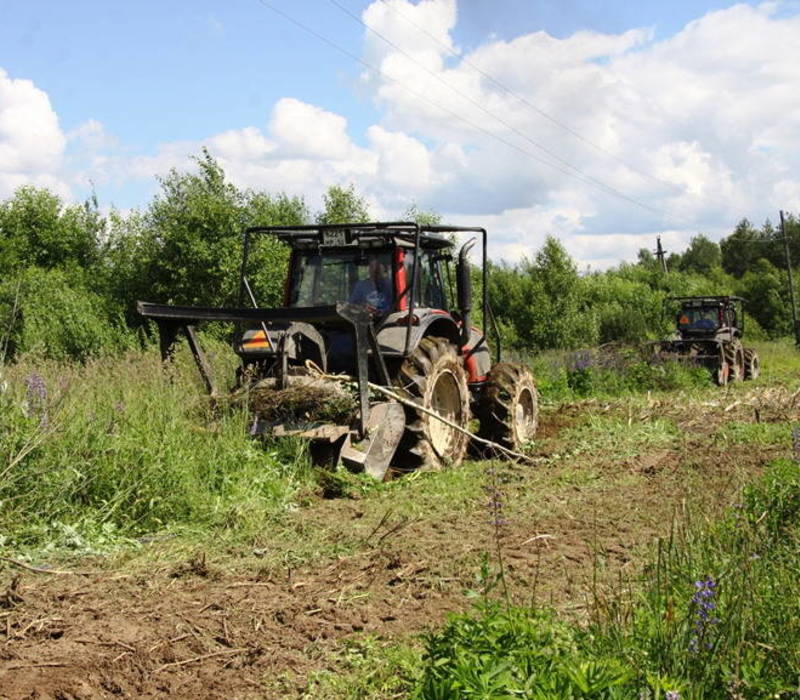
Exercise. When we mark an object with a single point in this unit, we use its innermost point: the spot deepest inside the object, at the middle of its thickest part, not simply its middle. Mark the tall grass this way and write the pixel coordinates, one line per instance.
(118, 447)
(610, 371)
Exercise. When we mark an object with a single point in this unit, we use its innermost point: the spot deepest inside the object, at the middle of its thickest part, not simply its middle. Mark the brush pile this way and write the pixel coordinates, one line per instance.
(307, 401)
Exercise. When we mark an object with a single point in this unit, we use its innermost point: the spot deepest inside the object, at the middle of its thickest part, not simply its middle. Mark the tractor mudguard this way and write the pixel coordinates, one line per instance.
(392, 332)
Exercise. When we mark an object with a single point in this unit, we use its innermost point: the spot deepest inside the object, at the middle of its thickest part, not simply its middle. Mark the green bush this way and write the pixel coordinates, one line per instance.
(512, 653)
(46, 314)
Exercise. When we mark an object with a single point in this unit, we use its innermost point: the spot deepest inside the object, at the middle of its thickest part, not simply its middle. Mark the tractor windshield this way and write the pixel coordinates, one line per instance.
(355, 276)
(699, 318)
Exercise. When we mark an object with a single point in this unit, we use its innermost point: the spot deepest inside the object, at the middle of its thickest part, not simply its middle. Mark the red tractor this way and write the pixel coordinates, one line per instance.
(388, 304)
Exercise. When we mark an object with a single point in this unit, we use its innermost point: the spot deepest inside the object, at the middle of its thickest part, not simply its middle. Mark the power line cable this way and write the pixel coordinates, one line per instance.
(510, 127)
(524, 100)
(456, 115)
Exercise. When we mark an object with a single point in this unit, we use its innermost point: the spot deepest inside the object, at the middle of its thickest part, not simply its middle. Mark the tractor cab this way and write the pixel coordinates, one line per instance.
(402, 276)
(375, 272)
(700, 317)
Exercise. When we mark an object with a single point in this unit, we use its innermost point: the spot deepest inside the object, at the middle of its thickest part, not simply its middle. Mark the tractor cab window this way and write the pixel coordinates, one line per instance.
(431, 290)
(699, 318)
(354, 276)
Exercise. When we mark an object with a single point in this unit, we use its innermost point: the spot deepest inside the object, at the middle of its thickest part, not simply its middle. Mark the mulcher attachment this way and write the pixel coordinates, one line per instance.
(372, 454)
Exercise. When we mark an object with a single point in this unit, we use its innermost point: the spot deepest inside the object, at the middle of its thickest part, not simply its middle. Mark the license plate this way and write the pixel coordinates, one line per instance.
(333, 238)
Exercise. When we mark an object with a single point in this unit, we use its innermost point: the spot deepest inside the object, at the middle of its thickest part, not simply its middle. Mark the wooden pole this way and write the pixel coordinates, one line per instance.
(795, 326)
(661, 255)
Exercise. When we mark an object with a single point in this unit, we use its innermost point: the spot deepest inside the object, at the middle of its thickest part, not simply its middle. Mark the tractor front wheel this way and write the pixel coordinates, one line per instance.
(433, 376)
(508, 409)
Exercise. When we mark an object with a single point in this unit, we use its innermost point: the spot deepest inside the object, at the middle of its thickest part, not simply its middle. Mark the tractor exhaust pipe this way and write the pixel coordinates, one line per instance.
(464, 290)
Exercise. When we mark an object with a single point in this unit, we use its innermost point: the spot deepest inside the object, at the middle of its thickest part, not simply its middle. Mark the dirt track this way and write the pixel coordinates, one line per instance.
(205, 629)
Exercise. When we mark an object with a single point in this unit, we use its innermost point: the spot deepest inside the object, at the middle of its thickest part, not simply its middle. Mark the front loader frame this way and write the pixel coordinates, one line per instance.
(173, 319)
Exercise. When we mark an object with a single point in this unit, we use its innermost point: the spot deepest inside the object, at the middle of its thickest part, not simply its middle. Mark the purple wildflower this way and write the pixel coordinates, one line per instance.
(495, 503)
(580, 360)
(36, 398)
(704, 606)
(672, 695)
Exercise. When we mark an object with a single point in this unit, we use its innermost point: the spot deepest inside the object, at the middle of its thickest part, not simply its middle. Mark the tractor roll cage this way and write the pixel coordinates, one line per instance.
(711, 300)
(406, 230)
(708, 299)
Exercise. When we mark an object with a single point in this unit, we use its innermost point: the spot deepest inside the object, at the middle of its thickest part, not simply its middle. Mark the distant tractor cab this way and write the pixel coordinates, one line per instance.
(389, 305)
(708, 332)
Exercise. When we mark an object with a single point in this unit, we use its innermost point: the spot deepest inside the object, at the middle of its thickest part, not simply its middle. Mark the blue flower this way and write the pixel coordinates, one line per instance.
(36, 398)
(704, 606)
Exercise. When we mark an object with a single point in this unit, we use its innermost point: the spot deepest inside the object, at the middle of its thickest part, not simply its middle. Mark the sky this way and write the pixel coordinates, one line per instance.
(604, 124)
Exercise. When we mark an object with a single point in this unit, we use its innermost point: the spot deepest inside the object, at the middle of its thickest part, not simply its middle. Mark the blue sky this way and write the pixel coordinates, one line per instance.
(132, 88)
(155, 71)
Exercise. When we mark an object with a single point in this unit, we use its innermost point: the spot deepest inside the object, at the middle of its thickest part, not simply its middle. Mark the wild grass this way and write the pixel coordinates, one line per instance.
(619, 436)
(761, 434)
(118, 448)
(610, 371)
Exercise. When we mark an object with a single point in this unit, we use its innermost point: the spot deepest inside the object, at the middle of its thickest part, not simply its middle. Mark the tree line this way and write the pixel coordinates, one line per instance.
(70, 276)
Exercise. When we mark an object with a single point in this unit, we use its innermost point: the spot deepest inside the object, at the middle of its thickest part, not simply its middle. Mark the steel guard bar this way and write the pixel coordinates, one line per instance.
(192, 314)
(172, 318)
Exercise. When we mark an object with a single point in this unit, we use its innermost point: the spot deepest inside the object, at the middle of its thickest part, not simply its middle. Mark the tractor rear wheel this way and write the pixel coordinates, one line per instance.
(434, 377)
(508, 409)
(734, 357)
(752, 365)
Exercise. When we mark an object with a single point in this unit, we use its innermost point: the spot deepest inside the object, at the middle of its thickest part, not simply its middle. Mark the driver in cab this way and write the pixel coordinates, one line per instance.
(375, 292)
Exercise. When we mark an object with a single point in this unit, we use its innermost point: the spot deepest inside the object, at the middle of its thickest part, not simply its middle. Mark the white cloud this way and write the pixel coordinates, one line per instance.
(699, 127)
(31, 141)
(303, 130)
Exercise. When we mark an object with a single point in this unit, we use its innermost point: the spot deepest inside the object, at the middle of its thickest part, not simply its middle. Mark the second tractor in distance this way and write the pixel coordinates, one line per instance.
(708, 331)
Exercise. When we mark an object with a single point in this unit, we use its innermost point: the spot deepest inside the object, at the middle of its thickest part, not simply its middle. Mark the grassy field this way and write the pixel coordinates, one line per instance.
(222, 566)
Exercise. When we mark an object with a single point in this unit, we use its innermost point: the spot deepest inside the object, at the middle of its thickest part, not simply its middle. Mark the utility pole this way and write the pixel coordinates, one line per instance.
(791, 281)
(661, 255)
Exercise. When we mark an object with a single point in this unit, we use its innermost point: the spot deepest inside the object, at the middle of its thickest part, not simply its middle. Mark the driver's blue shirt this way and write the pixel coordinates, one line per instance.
(378, 296)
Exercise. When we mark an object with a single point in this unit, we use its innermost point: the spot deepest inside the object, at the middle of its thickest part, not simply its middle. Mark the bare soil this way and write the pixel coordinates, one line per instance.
(219, 628)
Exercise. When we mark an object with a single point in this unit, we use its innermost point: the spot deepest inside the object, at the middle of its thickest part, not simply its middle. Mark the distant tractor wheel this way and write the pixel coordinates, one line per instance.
(722, 371)
(734, 357)
(752, 365)
(434, 377)
(508, 409)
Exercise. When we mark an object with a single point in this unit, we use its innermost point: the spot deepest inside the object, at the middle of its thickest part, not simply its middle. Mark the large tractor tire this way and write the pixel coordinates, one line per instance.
(508, 409)
(434, 377)
(752, 365)
(734, 358)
